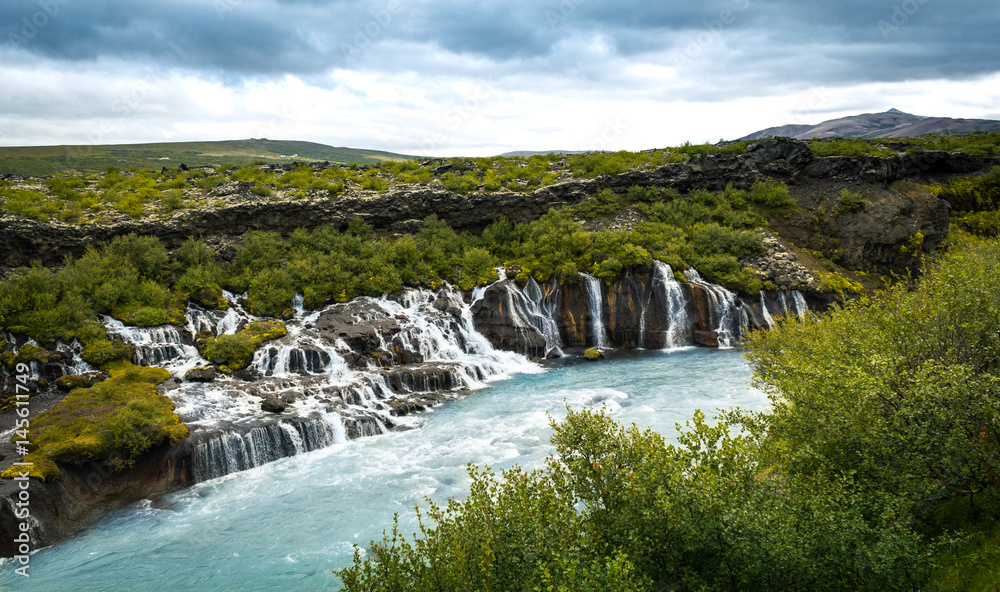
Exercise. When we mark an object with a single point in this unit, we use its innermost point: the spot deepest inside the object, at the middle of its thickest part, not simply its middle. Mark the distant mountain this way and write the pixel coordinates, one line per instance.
(891, 124)
(50, 160)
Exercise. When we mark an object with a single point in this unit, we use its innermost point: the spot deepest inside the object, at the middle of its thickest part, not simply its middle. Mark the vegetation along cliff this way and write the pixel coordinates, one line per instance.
(167, 327)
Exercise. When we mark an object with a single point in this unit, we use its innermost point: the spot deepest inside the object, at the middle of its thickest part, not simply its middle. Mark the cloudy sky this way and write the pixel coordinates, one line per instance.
(448, 77)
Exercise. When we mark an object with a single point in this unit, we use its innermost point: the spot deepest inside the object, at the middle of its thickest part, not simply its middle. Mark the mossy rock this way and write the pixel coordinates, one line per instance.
(148, 316)
(26, 354)
(42, 468)
(100, 353)
(210, 297)
(115, 421)
(235, 351)
(593, 354)
(75, 381)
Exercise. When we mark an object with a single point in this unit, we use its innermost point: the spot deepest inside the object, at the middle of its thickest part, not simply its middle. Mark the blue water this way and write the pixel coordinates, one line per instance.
(286, 525)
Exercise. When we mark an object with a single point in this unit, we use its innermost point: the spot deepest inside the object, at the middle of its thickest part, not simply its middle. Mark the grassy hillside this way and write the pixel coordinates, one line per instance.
(52, 160)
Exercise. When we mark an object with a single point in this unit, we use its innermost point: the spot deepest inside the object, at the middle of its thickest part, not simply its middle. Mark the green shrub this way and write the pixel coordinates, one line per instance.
(605, 203)
(773, 196)
(849, 202)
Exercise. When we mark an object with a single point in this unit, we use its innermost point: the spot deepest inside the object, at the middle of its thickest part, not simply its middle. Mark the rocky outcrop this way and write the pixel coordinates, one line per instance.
(499, 315)
(403, 206)
(62, 507)
(781, 266)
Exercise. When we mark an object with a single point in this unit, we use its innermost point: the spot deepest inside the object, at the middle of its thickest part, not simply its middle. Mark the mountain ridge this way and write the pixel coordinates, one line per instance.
(888, 124)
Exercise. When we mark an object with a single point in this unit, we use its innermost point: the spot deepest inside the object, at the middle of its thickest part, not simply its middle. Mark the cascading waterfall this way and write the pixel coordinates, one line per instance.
(592, 289)
(722, 310)
(229, 452)
(793, 302)
(162, 346)
(768, 319)
(330, 400)
(542, 315)
(678, 321)
(529, 308)
(301, 355)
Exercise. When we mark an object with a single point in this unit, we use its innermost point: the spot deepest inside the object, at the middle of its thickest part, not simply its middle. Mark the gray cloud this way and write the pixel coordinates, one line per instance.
(777, 39)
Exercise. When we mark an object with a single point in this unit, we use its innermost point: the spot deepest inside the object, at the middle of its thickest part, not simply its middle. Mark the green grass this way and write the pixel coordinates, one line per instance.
(978, 144)
(53, 160)
(115, 421)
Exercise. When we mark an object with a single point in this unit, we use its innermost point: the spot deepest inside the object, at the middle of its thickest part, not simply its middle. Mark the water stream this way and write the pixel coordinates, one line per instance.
(286, 524)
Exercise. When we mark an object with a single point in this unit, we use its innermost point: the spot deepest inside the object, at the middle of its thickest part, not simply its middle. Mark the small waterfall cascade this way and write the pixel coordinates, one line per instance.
(219, 322)
(542, 314)
(162, 346)
(793, 303)
(531, 309)
(230, 452)
(592, 290)
(768, 319)
(331, 391)
(441, 336)
(789, 303)
(300, 355)
(722, 309)
(678, 320)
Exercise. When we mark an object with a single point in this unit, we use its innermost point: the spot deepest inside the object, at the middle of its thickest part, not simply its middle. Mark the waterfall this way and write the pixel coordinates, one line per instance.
(592, 289)
(792, 302)
(722, 309)
(331, 392)
(542, 315)
(230, 452)
(162, 346)
(768, 319)
(678, 321)
(298, 355)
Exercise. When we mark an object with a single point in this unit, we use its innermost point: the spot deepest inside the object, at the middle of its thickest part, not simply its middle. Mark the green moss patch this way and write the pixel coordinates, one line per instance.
(236, 350)
(114, 421)
(26, 354)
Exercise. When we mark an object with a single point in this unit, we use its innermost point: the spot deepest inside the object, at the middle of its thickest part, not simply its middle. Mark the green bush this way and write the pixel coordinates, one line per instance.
(605, 203)
(848, 201)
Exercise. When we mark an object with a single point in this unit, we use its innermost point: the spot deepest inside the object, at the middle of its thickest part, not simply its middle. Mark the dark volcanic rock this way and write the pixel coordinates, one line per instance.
(201, 374)
(24, 241)
(272, 404)
(706, 338)
(498, 317)
(360, 327)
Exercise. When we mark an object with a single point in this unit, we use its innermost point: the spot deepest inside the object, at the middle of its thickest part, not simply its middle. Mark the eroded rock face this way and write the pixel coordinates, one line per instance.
(24, 240)
(272, 404)
(497, 317)
(781, 266)
(360, 327)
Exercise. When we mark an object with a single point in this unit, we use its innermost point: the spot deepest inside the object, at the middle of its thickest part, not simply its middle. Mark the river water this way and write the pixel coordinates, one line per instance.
(287, 524)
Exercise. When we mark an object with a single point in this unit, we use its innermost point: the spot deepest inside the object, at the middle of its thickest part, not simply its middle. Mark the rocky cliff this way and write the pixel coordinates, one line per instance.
(868, 235)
